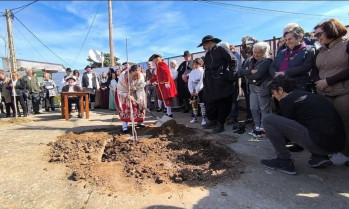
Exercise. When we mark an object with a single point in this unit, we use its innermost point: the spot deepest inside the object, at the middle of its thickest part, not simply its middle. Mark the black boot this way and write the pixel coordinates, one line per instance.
(218, 129)
(241, 128)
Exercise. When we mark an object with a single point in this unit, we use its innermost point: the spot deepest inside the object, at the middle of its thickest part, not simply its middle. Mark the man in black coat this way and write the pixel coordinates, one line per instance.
(182, 81)
(221, 69)
(90, 84)
(308, 120)
(71, 87)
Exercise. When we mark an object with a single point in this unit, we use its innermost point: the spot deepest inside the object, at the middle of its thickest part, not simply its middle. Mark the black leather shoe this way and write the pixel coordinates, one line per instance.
(158, 110)
(218, 129)
(171, 116)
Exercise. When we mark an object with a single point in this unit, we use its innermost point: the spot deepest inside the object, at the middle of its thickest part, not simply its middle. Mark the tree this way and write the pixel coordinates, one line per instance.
(107, 61)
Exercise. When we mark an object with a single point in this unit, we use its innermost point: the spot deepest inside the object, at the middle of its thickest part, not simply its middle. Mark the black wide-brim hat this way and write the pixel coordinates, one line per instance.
(153, 57)
(186, 53)
(210, 38)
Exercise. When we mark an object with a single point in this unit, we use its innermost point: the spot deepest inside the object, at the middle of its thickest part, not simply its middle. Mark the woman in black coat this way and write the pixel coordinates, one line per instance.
(20, 86)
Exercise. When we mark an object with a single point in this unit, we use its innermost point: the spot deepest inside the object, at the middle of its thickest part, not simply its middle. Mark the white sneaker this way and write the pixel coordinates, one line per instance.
(194, 120)
(203, 122)
(339, 159)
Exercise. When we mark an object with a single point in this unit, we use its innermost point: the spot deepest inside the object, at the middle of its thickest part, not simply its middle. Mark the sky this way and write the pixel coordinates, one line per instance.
(165, 27)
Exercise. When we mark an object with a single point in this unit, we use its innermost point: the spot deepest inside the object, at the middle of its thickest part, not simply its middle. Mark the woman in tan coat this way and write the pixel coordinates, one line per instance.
(332, 73)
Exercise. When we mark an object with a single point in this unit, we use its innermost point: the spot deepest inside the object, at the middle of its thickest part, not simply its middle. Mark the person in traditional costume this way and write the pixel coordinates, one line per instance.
(130, 97)
(165, 88)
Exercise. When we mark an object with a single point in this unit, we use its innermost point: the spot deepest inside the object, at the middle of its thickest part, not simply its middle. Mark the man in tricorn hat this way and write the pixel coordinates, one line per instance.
(220, 73)
(71, 87)
(182, 82)
(166, 88)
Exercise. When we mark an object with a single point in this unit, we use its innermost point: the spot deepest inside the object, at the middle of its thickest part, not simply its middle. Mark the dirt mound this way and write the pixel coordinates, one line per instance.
(169, 154)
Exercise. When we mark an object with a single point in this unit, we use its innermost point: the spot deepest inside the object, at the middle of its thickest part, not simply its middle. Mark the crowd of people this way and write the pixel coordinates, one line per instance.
(307, 82)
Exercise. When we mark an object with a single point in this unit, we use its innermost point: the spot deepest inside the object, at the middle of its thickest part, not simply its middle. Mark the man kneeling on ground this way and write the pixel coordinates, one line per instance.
(308, 120)
(71, 87)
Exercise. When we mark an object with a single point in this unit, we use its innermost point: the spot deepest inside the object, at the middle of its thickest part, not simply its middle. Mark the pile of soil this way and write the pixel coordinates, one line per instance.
(173, 153)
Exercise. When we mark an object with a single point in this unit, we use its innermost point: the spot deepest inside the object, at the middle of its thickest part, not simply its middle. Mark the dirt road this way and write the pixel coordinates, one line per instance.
(28, 180)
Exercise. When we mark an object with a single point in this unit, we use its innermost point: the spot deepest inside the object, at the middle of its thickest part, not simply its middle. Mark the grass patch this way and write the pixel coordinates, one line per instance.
(15, 121)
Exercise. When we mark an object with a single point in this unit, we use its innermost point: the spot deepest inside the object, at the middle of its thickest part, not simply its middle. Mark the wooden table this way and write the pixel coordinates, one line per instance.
(81, 95)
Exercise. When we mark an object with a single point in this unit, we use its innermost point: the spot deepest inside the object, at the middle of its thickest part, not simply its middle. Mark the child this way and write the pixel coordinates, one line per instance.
(195, 85)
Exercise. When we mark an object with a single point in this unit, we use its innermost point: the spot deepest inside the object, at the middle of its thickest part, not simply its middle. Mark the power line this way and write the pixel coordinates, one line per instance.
(23, 7)
(41, 41)
(88, 32)
(29, 42)
(265, 10)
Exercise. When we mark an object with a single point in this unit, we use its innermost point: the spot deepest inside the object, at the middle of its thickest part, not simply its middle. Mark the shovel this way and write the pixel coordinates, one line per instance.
(160, 121)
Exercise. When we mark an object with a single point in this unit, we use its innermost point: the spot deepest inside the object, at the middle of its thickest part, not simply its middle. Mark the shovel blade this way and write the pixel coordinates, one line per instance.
(162, 120)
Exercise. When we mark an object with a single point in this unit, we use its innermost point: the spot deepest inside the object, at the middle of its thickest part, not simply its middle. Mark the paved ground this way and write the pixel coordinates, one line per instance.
(27, 180)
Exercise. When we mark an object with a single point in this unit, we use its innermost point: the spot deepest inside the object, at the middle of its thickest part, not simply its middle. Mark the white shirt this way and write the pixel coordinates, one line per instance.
(195, 82)
(90, 76)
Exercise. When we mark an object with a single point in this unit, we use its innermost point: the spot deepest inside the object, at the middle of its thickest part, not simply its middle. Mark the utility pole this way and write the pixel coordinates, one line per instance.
(12, 61)
(111, 45)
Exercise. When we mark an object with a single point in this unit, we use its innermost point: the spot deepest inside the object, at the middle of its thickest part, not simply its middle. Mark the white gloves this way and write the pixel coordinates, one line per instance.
(167, 85)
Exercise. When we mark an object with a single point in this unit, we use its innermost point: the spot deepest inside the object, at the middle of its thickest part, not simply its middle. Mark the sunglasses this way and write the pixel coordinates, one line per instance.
(317, 35)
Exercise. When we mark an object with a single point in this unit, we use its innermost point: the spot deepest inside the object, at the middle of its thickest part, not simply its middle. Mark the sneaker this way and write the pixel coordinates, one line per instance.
(210, 125)
(203, 122)
(283, 165)
(319, 161)
(339, 159)
(255, 133)
(124, 129)
(194, 120)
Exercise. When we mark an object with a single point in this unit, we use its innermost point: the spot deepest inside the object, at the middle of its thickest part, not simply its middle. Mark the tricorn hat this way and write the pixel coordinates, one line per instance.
(70, 77)
(209, 38)
(186, 53)
(154, 56)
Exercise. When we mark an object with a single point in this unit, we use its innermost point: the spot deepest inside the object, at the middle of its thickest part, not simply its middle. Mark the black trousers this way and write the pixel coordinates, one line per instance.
(10, 106)
(21, 101)
(75, 100)
(219, 110)
(34, 102)
(49, 102)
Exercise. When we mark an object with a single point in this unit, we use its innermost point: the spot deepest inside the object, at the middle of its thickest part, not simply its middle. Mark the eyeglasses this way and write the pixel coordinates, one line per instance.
(318, 34)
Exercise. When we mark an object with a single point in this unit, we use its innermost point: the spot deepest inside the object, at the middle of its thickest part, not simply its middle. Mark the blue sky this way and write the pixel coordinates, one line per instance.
(166, 27)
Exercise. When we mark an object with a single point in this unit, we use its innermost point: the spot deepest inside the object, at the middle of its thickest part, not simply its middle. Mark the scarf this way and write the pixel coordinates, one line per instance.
(286, 60)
